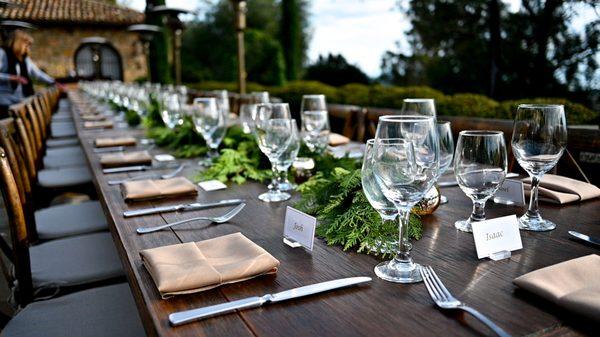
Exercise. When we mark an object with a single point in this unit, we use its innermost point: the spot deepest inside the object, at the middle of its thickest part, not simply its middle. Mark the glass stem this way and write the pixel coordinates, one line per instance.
(275, 179)
(404, 247)
(282, 176)
(532, 211)
(478, 213)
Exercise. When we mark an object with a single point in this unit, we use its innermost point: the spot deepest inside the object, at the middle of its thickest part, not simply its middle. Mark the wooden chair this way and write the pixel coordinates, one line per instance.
(348, 120)
(71, 263)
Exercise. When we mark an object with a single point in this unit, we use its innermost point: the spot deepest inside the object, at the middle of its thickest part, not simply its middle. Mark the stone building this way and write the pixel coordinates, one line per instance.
(83, 38)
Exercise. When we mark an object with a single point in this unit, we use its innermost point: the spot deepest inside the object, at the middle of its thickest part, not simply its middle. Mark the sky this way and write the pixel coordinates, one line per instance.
(361, 30)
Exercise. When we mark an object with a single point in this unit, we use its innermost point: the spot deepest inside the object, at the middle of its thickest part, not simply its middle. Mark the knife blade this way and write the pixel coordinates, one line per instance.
(455, 183)
(183, 317)
(182, 207)
(126, 169)
(109, 149)
(585, 238)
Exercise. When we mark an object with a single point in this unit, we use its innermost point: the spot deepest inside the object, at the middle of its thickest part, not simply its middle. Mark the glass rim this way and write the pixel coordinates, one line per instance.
(443, 122)
(539, 106)
(313, 96)
(406, 118)
(473, 133)
(417, 100)
(392, 140)
(204, 99)
(370, 141)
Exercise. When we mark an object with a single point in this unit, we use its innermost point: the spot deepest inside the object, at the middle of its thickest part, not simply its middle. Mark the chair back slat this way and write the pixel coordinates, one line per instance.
(18, 231)
(26, 150)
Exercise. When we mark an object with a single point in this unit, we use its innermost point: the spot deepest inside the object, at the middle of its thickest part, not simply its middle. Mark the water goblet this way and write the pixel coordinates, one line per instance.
(480, 167)
(315, 122)
(378, 201)
(211, 123)
(539, 140)
(406, 165)
(418, 106)
(273, 126)
(287, 159)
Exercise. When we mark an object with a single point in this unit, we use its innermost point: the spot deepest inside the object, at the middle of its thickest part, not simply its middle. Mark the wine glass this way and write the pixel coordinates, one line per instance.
(273, 126)
(406, 166)
(287, 159)
(211, 123)
(386, 209)
(539, 140)
(480, 167)
(259, 97)
(172, 114)
(222, 100)
(418, 106)
(446, 150)
(247, 111)
(315, 123)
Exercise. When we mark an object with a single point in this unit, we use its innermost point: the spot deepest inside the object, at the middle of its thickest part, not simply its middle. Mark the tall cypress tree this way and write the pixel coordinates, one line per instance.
(159, 47)
(291, 37)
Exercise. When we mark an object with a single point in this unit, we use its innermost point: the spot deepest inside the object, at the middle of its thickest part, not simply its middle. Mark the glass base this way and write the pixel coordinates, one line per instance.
(464, 226)
(536, 224)
(274, 196)
(399, 271)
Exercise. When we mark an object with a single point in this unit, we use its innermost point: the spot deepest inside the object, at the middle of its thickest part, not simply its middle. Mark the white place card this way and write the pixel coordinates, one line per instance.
(212, 185)
(496, 235)
(164, 157)
(510, 193)
(299, 227)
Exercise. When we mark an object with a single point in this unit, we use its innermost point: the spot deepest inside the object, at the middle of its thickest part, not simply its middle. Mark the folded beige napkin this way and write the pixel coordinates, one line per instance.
(562, 190)
(125, 159)
(93, 117)
(197, 266)
(336, 139)
(571, 284)
(98, 125)
(155, 189)
(119, 141)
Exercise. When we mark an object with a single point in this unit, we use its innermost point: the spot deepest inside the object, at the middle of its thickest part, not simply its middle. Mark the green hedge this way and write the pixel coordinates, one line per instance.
(472, 105)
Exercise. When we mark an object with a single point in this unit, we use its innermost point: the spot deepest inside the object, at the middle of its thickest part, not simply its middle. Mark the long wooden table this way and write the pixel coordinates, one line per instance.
(377, 309)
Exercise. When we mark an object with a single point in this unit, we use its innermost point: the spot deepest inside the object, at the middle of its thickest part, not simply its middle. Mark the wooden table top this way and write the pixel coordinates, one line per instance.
(379, 308)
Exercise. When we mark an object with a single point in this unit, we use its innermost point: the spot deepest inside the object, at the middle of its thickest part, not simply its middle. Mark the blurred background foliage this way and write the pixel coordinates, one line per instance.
(471, 55)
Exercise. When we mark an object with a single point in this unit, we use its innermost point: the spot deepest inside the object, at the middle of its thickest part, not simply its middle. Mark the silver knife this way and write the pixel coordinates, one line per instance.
(183, 317)
(585, 238)
(455, 183)
(126, 169)
(182, 207)
(109, 149)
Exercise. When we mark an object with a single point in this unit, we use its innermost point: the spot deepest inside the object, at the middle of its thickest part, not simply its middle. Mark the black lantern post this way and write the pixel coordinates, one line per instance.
(146, 33)
(239, 8)
(171, 15)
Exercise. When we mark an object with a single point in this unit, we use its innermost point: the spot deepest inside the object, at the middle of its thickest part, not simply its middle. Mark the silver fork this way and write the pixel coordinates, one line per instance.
(218, 219)
(149, 176)
(444, 299)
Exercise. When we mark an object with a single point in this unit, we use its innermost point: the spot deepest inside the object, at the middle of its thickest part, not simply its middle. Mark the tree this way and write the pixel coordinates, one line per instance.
(209, 46)
(335, 70)
(294, 36)
(159, 47)
(479, 46)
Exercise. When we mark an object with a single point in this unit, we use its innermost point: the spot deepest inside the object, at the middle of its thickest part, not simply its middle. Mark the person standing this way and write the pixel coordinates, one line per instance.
(17, 70)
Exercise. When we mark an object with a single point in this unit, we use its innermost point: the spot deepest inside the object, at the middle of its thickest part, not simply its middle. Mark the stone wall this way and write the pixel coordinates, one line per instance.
(54, 49)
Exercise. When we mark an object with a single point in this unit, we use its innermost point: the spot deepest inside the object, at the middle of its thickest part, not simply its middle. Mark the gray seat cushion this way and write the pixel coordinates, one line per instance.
(99, 312)
(75, 260)
(64, 159)
(59, 142)
(65, 150)
(71, 219)
(59, 130)
(64, 177)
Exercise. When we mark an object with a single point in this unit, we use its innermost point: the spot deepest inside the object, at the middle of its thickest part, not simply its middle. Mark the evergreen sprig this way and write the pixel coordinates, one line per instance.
(345, 216)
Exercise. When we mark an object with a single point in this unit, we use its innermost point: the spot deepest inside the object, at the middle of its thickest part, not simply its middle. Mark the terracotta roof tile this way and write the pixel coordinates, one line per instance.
(71, 11)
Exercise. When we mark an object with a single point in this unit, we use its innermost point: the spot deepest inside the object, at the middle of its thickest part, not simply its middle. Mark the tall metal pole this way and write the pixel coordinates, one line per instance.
(239, 7)
(177, 54)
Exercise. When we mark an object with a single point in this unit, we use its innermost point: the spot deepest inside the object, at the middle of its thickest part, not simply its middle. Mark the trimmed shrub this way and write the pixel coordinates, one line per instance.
(470, 105)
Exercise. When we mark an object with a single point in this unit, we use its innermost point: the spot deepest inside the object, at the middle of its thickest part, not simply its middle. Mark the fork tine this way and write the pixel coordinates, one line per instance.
(440, 294)
(428, 285)
(234, 211)
(440, 284)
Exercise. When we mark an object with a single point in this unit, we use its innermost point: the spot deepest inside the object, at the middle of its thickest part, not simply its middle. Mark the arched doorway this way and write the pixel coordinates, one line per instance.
(95, 58)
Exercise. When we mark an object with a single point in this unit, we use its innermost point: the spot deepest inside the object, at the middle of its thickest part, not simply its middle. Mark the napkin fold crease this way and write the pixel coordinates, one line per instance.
(155, 189)
(125, 159)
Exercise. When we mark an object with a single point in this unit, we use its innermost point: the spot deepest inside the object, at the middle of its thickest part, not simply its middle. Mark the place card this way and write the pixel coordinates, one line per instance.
(510, 193)
(212, 185)
(164, 157)
(496, 236)
(299, 229)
